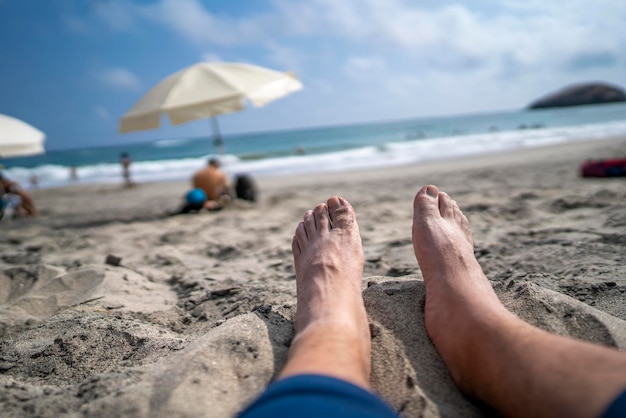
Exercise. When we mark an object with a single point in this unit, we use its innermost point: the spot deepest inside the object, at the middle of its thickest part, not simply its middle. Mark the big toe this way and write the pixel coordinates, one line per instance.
(341, 213)
(426, 203)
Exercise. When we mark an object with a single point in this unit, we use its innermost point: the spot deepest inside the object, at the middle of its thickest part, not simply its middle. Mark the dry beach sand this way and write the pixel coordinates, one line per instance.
(196, 318)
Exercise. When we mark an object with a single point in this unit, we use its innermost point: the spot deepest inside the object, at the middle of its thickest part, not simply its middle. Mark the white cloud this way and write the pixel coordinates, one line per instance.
(187, 17)
(436, 56)
(119, 77)
(193, 21)
(447, 35)
(457, 38)
(452, 35)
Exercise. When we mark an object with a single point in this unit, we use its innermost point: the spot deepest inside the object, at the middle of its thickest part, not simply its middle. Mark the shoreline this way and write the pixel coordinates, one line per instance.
(540, 154)
(390, 153)
(516, 156)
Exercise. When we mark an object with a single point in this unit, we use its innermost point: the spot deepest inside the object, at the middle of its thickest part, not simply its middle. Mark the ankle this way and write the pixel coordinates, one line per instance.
(346, 311)
(478, 341)
(329, 329)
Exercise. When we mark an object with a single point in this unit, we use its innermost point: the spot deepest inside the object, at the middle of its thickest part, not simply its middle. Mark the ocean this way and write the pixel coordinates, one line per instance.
(326, 149)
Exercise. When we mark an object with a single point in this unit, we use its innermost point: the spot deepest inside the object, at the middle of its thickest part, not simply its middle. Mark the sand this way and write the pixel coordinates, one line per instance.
(197, 317)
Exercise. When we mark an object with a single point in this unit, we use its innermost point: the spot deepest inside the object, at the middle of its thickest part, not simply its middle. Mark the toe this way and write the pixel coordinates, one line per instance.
(341, 213)
(456, 212)
(309, 224)
(322, 220)
(446, 206)
(425, 203)
(461, 219)
(301, 235)
(466, 227)
(295, 247)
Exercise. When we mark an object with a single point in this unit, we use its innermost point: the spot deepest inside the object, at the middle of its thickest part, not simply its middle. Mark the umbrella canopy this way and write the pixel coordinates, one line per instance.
(206, 90)
(18, 138)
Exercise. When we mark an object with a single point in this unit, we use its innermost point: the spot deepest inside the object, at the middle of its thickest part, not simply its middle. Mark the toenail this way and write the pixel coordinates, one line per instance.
(432, 191)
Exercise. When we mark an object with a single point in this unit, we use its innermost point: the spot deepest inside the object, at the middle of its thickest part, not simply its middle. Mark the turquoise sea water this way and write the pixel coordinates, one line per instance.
(334, 148)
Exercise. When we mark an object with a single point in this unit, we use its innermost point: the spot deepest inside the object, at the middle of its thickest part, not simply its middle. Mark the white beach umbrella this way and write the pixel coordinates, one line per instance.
(18, 138)
(205, 90)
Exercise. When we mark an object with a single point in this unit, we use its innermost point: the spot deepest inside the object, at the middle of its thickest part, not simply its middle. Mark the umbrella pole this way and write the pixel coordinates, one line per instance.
(217, 136)
(218, 142)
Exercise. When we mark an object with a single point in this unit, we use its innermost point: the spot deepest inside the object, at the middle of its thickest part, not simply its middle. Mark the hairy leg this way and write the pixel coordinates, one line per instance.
(332, 332)
(518, 369)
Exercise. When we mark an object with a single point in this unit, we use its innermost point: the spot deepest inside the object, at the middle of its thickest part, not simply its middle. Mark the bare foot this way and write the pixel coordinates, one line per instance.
(332, 332)
(516, 368)
(459, 298)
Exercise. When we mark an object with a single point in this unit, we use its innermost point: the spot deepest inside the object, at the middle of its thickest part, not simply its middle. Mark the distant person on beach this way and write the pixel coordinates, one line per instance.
(125, 161)
(34, 181)
(74, 173)
(492, 355)
(215, 184)
(15, 198)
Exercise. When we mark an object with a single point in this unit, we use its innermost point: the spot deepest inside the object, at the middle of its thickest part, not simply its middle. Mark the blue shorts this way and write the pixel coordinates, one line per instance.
(315, 396)
(618, 408)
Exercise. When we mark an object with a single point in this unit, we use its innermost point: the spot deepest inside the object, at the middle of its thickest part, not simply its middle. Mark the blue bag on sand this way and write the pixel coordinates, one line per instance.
(196, 197)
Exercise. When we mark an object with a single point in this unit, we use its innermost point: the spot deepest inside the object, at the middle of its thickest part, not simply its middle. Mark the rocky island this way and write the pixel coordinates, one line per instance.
(581, 94)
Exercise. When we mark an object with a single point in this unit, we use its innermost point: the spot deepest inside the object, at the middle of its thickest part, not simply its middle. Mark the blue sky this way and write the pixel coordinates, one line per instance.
(73, 67)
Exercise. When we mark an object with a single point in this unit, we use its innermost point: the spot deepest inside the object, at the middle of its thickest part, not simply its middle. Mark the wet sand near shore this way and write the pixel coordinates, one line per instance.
(196, 317)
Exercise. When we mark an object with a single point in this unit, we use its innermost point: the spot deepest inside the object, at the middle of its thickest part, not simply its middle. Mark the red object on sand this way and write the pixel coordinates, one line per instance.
(615, 167)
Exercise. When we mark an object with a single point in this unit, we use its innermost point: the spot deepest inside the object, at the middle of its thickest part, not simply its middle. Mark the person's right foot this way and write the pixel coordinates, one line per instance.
(459, 298)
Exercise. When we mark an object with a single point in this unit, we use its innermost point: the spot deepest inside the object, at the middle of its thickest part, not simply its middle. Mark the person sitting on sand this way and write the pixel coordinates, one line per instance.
(13, 195)
(215, 184)
(492, 355)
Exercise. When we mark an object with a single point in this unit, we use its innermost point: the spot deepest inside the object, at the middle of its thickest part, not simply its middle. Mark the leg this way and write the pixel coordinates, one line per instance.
(518, 369)
(27, 203)
(328, 370)
(332, 332)
(218, 204)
